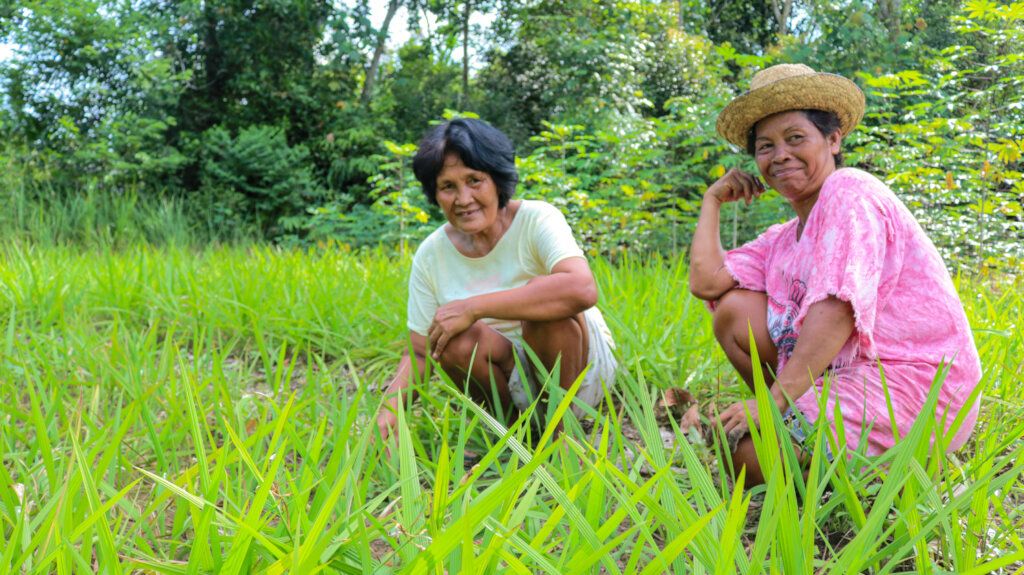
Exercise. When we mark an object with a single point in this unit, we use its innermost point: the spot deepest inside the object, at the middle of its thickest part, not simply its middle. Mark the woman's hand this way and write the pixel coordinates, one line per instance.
(734, 186)
(387, 421)
(734, 418)
(400, 389)
(450, 320)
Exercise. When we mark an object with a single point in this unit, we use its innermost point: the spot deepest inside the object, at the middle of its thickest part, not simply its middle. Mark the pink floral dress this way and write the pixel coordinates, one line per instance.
(861, 244)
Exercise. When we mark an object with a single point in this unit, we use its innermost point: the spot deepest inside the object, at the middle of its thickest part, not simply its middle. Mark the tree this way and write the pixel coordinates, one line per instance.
(457, 29)
(782, 9)
(570, 62)
(378, 51)
(748, 27)
(421, 87)
(90, 93)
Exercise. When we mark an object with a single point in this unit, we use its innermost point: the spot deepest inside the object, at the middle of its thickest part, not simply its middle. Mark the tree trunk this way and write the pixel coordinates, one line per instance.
(464, 97)
(782, 9)
(889, 14)
(382, 39)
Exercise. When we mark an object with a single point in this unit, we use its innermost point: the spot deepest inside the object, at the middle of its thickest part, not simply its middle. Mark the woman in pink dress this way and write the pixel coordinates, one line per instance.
(851, 284)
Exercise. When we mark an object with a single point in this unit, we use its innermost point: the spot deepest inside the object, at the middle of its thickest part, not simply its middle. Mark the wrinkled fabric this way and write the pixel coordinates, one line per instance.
(861, 245)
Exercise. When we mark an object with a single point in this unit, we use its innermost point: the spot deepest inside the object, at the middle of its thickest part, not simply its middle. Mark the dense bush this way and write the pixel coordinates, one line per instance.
(255, 179)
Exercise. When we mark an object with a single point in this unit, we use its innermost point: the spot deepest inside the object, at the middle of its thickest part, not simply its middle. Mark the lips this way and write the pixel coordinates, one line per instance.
(785, 172)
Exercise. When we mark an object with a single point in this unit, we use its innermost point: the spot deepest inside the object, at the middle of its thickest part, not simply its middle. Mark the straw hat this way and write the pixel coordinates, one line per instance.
(790, 87)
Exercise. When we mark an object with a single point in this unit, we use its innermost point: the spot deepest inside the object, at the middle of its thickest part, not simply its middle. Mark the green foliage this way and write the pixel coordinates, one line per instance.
(616, 192)
(950, 138)
(255, 178)
(852, 38)
(150, 96)
(252, 62)
(89, 97)
(95, 217)
(399, 214)
(421, 87)
(571, 63)
(747, 26)
(247, 114)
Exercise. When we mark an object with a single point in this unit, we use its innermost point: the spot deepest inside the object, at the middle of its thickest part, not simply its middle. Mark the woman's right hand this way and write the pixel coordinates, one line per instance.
(734, 186)
(387, 421)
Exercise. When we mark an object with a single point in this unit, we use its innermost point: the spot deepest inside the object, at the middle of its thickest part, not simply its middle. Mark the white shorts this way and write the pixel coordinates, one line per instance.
(600, 374)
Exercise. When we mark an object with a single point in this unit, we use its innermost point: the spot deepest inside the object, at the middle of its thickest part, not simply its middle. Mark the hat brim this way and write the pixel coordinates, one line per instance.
(817, 91)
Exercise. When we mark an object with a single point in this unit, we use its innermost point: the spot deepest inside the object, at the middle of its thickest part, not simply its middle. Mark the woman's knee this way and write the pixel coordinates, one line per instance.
(477, 343)
(736, 312)
(558, 335)
(745, 457)
(462, 349)
(736, 306)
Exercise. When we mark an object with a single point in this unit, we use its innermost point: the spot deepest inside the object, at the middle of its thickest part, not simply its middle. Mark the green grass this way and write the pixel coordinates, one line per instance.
(210, 411)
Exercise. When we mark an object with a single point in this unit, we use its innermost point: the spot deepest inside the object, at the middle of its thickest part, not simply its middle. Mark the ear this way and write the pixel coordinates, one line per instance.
(835, 142)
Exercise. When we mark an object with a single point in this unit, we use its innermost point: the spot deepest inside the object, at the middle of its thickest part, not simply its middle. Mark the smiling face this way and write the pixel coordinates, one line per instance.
(468, 197)
(793, 156)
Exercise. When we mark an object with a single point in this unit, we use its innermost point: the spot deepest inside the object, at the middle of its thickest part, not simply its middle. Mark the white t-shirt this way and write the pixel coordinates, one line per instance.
(538, 238)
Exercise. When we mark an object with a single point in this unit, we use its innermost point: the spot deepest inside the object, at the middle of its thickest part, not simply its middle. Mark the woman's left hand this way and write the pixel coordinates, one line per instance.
(450, 320)
(734, 418)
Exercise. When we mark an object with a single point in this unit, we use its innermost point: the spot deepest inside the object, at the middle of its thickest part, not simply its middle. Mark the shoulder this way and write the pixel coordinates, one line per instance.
(850, 185)
(767, 242)
(537, 217)
(851, 195)
(537, 210)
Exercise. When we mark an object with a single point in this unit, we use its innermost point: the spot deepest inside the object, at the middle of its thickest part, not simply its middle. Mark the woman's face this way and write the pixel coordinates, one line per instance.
(792, 155)
(468, 197)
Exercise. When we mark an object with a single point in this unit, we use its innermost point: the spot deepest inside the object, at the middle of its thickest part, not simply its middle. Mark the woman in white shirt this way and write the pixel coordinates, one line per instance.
(501, 273)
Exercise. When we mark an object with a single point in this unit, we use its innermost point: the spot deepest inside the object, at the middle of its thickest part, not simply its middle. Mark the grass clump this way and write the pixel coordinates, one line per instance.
(210, 410)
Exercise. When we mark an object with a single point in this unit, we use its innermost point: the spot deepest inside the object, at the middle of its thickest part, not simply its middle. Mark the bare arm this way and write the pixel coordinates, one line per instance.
(399, 388)
(825, 330)
(708, 278)
(568, 290)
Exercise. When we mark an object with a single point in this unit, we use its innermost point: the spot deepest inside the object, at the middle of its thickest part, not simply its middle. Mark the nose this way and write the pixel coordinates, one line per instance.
(463, 194)
(780, 153)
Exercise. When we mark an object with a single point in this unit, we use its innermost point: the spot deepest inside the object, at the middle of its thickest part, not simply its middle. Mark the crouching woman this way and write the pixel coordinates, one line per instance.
(850, 285)
(500, 274)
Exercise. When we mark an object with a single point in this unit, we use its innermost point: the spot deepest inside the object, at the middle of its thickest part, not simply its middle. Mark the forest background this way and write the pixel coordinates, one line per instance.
(294, 122)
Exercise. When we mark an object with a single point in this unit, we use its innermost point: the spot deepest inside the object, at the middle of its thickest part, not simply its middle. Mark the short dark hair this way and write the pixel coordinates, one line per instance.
(479, 145)
(826, 122)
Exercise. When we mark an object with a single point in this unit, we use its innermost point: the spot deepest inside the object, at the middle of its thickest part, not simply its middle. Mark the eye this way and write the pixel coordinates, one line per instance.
(762, 146)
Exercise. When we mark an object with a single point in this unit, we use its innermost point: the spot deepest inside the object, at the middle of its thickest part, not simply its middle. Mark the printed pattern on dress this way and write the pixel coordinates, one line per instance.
(781, 316)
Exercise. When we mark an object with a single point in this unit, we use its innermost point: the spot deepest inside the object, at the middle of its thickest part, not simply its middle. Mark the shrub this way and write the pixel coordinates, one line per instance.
(255, 178)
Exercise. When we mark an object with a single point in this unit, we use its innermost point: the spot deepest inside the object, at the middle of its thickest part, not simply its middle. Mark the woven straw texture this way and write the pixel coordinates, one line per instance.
(790, 87)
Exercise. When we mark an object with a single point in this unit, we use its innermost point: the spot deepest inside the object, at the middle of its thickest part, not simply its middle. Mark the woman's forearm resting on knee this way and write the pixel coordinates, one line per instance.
(568, 290)
(826, 329)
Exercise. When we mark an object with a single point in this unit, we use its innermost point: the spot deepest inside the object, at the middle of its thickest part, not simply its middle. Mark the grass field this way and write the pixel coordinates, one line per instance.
(210, 411)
